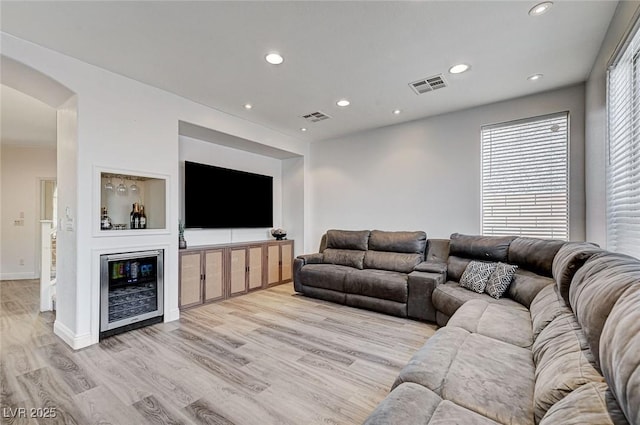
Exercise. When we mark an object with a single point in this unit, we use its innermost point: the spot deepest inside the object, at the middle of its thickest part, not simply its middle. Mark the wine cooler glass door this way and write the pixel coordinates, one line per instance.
(131, 288)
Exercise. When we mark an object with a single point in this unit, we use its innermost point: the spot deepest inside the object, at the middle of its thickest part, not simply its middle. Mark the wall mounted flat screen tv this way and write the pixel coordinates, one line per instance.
(220, 198)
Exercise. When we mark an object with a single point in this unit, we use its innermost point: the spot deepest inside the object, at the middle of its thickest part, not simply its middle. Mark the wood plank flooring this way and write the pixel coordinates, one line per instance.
(269, 357)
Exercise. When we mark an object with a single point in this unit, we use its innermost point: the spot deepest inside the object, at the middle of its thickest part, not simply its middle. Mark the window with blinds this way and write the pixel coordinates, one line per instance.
(623, 162)
(525, 182)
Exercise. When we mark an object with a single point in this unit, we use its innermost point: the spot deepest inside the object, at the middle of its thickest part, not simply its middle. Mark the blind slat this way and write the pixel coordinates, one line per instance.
(623, 156)
(525, 178)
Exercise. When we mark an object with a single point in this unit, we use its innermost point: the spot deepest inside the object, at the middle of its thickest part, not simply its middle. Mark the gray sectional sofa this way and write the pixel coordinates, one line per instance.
(375, 270)
(561, 347)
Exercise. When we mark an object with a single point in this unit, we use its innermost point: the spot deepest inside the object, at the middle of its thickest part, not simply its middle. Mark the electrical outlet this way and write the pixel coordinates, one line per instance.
(22, 261)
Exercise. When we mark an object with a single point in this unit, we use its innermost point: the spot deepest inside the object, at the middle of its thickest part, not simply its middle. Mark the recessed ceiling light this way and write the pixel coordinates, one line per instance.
(248, 106)
(460, 68)
(540, 8)
(274, 58)
(396, 111)
(343, 102)
(535, 77)
(303, 129)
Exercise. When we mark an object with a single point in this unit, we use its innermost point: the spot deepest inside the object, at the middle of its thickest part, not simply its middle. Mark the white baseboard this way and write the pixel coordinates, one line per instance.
(172, 315)
(19, 276)
(74, 341)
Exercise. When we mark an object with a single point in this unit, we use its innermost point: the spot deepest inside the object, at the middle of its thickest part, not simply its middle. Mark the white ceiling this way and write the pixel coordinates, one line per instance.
(213, 52)
(26, 121)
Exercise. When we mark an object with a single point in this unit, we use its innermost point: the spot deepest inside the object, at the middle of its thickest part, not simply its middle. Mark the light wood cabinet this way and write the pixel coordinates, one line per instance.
(255, 271)
(238, 277)
(190, 279)
(213, 275)
(279, 262)
(217, 272)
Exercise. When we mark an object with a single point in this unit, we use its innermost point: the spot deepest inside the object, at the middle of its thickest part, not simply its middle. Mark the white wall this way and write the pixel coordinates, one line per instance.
(425, 174)
(22, 170)
(122, 124)
(209, 153)
(596, 115)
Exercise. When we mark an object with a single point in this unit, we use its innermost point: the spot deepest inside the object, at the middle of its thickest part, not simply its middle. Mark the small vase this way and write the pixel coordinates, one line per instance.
(182, 243)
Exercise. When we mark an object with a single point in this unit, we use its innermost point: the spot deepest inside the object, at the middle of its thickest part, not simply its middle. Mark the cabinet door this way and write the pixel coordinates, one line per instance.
(273, 264)
(190, 279)
(213, 275)
(238, 271)
(255, 267)
(286, 261)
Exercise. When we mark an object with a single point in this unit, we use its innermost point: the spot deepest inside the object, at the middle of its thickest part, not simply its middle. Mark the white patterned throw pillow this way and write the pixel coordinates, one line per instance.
(476, 275)
(500, 280)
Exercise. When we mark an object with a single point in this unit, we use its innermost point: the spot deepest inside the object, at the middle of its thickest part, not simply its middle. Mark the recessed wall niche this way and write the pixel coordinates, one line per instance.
(118, 195)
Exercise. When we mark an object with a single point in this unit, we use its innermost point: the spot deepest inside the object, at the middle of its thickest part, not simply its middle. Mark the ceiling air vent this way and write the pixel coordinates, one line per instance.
(316, 116)
(428, 84)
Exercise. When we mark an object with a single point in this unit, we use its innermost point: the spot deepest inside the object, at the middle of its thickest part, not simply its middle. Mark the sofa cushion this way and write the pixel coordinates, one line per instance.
(448, 297)
(592, 403)
(326, 276)
(407, 242)
(348, 239)
(455, 267)
(382, 284)
(534, 254)
(393, 308)
(596, 288)
(500, 280)
(568, 261)
(344, 257)
(487, 376)
(431, 267)
(393, 261)
(437, 250)
(545, 307)
(489, 319)
(620, 353)
(486, 248)
(409, 404)
(526, 285)
(413, 404)
(563, 362)
(476, 275)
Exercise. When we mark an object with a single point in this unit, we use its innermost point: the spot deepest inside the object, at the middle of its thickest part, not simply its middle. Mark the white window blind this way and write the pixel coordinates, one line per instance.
(623, 162)
(525, 184)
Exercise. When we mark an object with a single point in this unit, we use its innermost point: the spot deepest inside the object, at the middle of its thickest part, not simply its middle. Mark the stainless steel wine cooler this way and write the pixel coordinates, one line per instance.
(131, 291)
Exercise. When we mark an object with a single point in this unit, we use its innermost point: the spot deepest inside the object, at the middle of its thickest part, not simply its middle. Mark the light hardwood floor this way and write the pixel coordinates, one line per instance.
(269, 357)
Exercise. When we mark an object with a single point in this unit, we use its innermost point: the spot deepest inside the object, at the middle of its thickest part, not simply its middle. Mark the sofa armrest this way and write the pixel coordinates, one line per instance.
(431, 267)
(420, 287)
(299, 262)
(316, 258)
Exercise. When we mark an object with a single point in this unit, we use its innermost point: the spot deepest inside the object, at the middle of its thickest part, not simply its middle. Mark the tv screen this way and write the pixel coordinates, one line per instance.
(220, 198)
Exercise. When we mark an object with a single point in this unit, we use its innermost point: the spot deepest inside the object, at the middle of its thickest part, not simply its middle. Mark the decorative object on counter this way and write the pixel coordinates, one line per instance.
(143, 218)
(279, 234)
(108, 185)
(105, 221)
(182, 243)
(120, 226)
(122, 188)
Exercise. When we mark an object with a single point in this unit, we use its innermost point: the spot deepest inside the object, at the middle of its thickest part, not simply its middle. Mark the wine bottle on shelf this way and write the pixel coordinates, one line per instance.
(136, 216)
(143, 218)
(131, 222)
